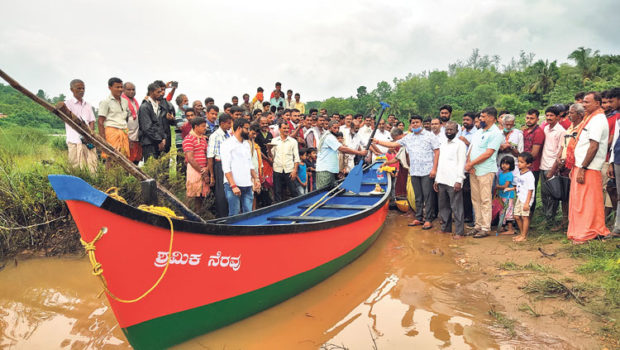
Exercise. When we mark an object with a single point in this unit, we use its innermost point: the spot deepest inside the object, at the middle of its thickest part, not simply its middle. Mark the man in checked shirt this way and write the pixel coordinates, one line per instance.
(214, 164)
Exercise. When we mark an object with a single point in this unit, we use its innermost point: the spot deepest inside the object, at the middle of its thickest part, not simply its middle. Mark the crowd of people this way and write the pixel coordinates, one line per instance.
(261, 151)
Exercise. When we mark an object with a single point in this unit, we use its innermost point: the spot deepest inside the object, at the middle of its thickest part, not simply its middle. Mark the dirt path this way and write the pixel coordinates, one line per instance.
(501, 269)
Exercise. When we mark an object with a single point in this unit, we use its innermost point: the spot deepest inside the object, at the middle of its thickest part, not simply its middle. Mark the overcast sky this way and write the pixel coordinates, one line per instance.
(317, 48)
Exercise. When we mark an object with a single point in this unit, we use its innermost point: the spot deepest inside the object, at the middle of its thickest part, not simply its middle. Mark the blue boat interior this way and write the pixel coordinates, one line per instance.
(284, 213)
(344, 204)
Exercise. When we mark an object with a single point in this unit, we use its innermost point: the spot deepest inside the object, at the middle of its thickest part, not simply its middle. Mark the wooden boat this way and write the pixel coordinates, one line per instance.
(224, 270)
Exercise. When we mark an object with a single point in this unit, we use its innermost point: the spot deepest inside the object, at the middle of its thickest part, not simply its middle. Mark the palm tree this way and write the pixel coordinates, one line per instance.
(587, 62)
(545, 75)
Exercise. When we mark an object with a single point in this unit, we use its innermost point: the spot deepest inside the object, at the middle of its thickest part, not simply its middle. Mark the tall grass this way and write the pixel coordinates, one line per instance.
(27, 157)
(21, 141)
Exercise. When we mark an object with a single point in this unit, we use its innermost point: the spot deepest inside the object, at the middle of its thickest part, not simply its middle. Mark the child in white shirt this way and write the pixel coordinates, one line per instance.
(525, 187)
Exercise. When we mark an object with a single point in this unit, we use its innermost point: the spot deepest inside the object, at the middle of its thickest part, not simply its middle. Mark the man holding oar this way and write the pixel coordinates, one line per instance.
(423, 149)
(327, 158)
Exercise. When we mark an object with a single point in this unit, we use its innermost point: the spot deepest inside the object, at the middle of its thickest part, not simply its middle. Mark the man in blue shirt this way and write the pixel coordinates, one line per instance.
(481, 165)
(327, 166)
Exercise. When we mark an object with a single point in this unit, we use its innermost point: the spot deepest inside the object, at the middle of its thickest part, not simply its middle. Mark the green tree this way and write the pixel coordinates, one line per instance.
(587, 62)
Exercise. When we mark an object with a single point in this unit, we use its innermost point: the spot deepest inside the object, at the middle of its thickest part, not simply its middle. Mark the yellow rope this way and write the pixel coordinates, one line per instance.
(98, 268)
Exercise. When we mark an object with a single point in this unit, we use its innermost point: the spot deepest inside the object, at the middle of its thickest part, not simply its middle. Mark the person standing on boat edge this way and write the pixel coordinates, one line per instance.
(133, 125)
(195, 150)
(423, 149)
(80, 154)
(482, 166)
(285, 153)
(112, 121)
(585, 156)
(327, 157)
(240, 177)
(449, 181)
(214, 164)
(152, 136)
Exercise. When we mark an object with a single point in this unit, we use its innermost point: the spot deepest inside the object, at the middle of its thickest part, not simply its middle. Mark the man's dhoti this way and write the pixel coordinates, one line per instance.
(195, 184)
(80, 156)
(118, 139)
(586, 209)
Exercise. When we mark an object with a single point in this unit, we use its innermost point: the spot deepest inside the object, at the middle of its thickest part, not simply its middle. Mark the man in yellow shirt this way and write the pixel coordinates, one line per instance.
(299, 105)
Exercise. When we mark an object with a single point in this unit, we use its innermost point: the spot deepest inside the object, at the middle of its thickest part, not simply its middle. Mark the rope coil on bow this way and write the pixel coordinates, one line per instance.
(98, 267)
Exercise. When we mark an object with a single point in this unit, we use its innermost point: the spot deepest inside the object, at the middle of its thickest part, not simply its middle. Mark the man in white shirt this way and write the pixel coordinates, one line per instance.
(586, 211)
(438, 131)
(314, 133)
(240, 177)
(449, 181)
(554, 136)
(80, 154)
(285, 153)
(382, 135)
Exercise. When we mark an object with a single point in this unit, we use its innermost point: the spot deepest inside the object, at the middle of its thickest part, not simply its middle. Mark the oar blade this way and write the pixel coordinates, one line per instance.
(353, 181)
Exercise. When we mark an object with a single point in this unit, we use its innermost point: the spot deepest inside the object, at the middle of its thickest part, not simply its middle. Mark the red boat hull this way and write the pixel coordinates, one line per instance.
(130, 249)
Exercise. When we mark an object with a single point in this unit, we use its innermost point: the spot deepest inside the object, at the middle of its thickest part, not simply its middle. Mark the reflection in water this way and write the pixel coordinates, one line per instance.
(41, 307)
(404, 292)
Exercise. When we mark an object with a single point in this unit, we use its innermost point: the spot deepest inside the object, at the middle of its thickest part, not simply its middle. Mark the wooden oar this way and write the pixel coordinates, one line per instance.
(78, 125)
(353, 181)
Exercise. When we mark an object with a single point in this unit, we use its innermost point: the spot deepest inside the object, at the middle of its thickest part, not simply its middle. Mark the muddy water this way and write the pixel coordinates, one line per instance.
(405, 292)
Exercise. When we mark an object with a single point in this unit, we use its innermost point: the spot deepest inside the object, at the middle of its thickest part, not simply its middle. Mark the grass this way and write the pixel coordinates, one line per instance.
(26, 197)
(531, 266)
(552, 288)
(503, 321)
(528, 309)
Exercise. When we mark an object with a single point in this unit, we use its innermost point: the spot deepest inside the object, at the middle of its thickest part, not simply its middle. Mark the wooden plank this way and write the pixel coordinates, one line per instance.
(361, 194)
(300, 218)
(340, 206)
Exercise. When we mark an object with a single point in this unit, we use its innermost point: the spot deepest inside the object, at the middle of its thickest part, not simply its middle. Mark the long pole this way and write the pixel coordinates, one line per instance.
(89, 135)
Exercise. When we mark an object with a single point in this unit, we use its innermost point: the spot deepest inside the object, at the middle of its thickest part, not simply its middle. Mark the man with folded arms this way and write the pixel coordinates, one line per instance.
(482, 166)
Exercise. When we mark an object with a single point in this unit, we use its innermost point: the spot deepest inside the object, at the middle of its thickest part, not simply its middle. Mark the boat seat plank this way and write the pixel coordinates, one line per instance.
(374, 183)
(339, 206)
(300, 218)
(361, 194)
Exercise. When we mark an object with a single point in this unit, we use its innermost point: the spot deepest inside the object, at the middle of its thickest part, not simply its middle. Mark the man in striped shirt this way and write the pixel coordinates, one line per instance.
(195, 151)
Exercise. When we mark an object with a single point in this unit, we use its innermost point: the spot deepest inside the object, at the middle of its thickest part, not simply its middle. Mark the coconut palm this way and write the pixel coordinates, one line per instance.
(586, 61)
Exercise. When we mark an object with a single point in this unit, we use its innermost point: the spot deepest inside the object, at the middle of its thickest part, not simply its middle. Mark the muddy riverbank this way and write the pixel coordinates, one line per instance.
(411, 289)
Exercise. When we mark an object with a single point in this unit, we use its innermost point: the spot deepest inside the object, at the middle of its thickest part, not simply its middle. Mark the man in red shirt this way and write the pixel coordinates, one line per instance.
(533, 140)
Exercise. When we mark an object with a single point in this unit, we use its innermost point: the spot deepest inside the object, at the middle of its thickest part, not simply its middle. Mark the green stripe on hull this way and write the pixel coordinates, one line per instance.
(172, 329)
